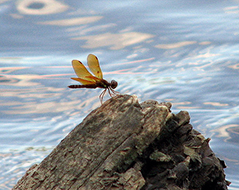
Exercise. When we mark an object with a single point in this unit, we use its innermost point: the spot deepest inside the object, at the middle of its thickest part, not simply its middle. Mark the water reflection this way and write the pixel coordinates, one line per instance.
(235, 66)
(40, 7)
(175, 45)
(227, 132)
(35, 107)
(181, 44)
(16, 162)
(6, 70)
(115, 41)
(231, 9)
(186, 56)
(72, 21)
(215, 104)
(5, 79)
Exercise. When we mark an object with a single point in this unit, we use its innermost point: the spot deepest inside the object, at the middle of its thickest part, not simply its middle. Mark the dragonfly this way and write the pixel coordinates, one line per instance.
(87, 80)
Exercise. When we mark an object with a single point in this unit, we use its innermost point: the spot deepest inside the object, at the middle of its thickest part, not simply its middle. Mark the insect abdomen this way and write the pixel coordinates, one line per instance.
(83, 86)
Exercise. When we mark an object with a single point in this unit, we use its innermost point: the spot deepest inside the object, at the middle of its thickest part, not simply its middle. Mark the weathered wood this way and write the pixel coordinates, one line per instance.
(127, 145)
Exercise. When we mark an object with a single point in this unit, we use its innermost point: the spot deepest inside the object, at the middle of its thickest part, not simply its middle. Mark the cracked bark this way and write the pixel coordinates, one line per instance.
(127, 145)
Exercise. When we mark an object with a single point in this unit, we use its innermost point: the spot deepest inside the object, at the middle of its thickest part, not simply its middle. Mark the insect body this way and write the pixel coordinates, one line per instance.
(88, 80)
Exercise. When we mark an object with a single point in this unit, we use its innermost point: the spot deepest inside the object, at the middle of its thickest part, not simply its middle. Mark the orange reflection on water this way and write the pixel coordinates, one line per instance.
(115, 41)
(180, 44)
(43, 101)
(224, 130)
(10, 69)
(236, 66)
(24, 80)
(41, 107)
(31, 93)
(206, 55)
(182, 105)
(188, 107)
(72, 21)
(21, 80)
(136, 61)
(231, 10)
(215, 104)
(175, 45)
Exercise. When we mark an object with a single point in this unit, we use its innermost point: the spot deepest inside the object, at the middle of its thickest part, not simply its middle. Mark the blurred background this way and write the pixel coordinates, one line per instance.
(185, 52)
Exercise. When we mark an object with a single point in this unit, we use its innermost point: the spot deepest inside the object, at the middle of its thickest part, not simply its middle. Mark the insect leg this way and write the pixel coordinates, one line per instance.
(101, 96)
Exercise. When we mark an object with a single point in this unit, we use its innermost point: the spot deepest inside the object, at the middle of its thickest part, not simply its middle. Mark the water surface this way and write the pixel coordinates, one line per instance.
(183, 52)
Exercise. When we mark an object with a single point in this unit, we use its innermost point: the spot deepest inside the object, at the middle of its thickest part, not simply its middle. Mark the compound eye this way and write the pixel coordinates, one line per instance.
(113, 84)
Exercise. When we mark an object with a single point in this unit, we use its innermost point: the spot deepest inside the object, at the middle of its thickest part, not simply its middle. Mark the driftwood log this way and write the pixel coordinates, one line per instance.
(127, 145)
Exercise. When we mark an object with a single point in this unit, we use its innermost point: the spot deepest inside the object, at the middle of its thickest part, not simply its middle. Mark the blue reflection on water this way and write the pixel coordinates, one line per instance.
(182, 52)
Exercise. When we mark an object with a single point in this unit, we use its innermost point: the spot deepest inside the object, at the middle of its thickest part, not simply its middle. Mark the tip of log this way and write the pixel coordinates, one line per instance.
(127, 145)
